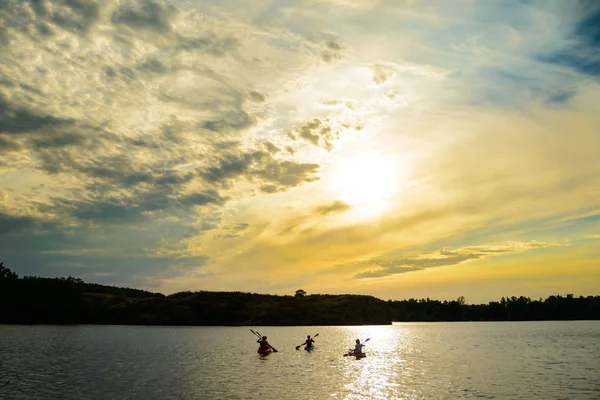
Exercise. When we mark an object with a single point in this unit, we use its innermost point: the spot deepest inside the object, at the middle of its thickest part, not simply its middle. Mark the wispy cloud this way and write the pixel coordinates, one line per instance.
(385, 266)
(337, 206)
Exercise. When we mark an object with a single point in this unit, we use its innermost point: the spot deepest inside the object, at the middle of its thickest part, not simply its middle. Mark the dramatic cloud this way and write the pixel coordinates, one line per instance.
(197, 145)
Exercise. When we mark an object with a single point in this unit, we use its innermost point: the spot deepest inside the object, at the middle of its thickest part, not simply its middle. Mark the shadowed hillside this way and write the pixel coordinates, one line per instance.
(33, 300)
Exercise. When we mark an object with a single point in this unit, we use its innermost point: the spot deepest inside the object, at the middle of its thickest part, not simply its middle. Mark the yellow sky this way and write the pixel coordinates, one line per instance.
(399, 149)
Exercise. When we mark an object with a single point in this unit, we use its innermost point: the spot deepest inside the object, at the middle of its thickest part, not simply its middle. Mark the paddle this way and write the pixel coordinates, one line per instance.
(260, 337)
(352, 350)
(300, 345)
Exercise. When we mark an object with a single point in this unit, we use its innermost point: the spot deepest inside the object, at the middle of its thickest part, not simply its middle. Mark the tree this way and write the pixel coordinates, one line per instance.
(6, 274)
(461, 300)
(300, 293)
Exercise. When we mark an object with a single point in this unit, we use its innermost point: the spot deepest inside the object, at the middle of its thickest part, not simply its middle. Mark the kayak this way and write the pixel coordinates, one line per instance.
(355, 354)
(311, 348)
(267, 350)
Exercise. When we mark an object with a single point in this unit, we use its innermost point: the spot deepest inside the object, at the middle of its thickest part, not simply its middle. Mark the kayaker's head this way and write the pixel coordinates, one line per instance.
(308, 336)
(357, 341)
(264, 338)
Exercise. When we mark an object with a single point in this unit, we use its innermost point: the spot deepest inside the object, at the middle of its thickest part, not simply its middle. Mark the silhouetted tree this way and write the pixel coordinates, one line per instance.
(33, 300)
(6, 273)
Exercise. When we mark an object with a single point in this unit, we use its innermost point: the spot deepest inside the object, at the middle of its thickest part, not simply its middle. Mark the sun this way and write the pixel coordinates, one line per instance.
(366, 180)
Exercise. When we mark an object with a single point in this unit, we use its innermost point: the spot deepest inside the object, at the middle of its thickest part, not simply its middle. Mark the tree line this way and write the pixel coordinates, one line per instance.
(35, 300)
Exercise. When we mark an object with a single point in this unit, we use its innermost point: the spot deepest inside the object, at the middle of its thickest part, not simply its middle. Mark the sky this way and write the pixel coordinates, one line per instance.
(407, 148)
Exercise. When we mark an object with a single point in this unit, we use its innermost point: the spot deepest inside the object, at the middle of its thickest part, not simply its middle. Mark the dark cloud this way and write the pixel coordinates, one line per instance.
(233, 120)
(7, 144)
(287, 174)
(275, 175)
(336, 207)
(210, 44)
(114, 210)
(74, 15)
(230, 166)
(318, 133)
(271, 148)
(131, 179)
(58, 140)
(40, 7)
(4, 38)
(202, 198)
(16, 119)
(14, 224)
(257, 96)
(270, 189)
(153, 65)
(145, 14)
(125, 209)
(28, 16)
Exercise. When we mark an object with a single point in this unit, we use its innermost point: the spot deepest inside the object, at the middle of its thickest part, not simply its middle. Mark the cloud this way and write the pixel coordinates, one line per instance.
(381, 73)
(581, 51)
(317, 133)
(274, 175)
(17, 120)
(145, 14)
(150, 127)
(14, 223)
(332, 50)
(271, 148)
(384, 266)
(336, 207)
(136, 116)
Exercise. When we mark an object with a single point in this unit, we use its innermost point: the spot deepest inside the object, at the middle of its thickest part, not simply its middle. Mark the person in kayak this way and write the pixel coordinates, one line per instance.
(263, 343)
(358, 346)
(309, 342)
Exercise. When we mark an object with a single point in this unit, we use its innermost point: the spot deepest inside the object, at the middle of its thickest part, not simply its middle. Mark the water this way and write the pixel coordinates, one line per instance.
(502, 360)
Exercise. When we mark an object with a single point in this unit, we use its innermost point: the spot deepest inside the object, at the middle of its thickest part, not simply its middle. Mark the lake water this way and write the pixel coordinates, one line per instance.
(501, 360)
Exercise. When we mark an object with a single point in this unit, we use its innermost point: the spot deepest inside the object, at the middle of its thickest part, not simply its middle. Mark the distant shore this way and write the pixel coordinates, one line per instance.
(34, 300)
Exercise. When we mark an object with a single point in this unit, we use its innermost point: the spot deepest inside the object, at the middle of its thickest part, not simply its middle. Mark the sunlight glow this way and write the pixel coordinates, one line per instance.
(366, 180)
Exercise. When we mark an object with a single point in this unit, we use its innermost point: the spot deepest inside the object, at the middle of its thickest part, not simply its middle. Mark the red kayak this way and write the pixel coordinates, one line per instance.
(355, 354)
(265, 350)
